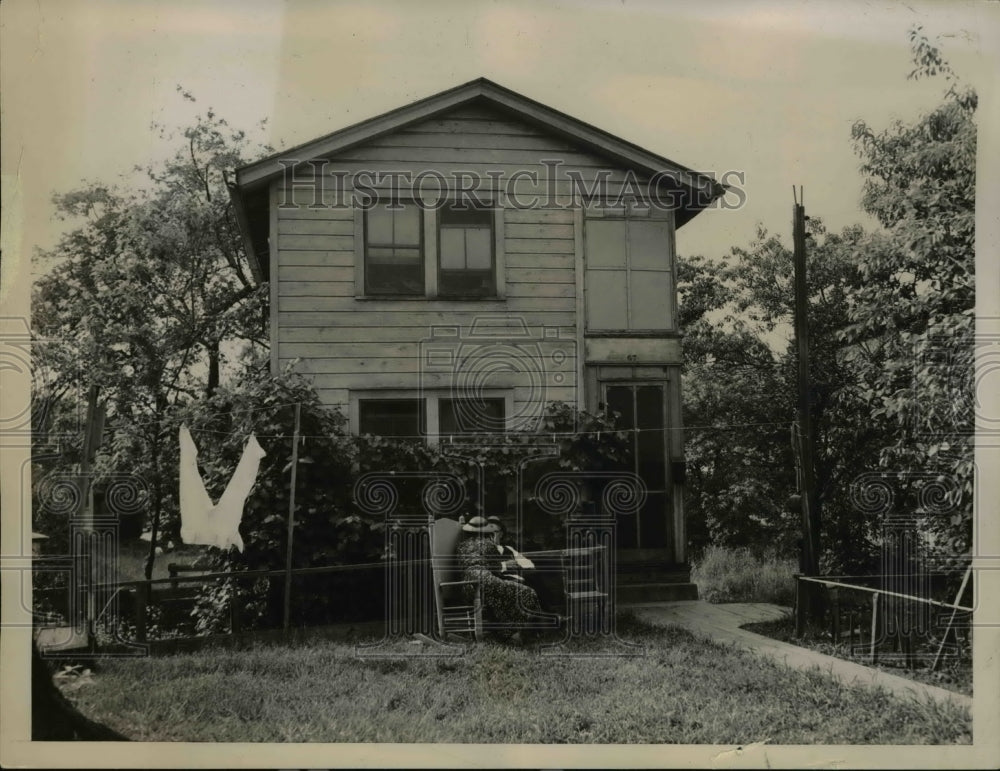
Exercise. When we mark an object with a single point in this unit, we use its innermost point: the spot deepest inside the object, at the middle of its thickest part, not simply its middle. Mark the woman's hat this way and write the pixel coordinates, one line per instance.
(497, 522)
(480, 525)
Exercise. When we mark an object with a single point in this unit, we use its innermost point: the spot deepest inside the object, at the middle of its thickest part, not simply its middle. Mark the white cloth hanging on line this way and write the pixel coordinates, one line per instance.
(203, 522)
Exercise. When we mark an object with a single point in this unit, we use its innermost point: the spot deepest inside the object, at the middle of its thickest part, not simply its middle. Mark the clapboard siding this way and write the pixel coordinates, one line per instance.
(344, 342)
(316, 227)
(534, 216)
(310, 258)
(373, 381)
(324, 194)
(323, 271)
(546, 230)
(474, 141)
(373, 317)
(414, 309)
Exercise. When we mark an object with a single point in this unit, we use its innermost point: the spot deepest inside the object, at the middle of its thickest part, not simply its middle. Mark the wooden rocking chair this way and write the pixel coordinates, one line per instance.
(455, 616)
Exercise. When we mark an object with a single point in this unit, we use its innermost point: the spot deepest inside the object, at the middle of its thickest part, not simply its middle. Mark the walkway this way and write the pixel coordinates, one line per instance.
(722, 624)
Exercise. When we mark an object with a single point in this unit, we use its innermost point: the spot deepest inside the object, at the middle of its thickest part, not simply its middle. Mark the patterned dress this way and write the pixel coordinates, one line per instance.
(504, 601)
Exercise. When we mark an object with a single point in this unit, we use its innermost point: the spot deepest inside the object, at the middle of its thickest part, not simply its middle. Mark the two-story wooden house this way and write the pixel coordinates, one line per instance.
(454, 264)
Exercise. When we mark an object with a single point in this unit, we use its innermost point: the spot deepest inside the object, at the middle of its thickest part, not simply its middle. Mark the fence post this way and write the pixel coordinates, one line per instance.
(234, 616)
(141, 600)
(800, 611)
(874, 655)
(835, 596)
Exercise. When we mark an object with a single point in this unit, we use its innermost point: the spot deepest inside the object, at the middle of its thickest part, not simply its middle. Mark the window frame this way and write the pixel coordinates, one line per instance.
(421, 249)
(421, 415)
(629, 215)
(430, 258)
(490, 212)
(431, 409)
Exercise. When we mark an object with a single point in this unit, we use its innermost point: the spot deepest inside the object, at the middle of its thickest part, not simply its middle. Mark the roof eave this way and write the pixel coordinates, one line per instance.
(239, 209)
(619, 149)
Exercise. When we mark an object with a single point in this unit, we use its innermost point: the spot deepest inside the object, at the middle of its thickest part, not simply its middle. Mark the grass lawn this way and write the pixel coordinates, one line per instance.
(683, 690)
(955, 673)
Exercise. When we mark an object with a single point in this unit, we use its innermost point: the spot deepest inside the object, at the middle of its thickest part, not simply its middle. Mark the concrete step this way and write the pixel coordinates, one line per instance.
(656, 592)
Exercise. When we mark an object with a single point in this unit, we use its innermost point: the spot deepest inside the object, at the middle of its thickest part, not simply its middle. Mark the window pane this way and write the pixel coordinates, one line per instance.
(620, 401)
(393, 256)
(406, 226)
(478, 248)
(407, 279)
(605, 243)
(469, 217)
(390, 417)
(653, 522)
(452, 249)
(649, 244)
(471, 416)
(471, 283)
(606, 301)
(652, 302)
(651, 461)
(379, 225)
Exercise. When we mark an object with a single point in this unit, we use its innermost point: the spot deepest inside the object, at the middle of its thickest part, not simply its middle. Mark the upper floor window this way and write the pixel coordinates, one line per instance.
(394, 249)
(466, 265)
(407, 250)
(629, 274)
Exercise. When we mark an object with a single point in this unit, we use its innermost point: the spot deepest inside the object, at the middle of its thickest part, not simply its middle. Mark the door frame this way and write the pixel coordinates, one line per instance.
(663, 381)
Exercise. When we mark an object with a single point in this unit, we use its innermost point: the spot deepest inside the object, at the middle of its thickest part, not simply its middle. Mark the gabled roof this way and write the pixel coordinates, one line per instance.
(249, 193)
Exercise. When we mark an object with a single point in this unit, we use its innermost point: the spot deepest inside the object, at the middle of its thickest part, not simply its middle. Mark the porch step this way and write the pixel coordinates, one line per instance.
(657, 592)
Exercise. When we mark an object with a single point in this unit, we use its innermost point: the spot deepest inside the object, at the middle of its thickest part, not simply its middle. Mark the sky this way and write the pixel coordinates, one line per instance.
(769, 90)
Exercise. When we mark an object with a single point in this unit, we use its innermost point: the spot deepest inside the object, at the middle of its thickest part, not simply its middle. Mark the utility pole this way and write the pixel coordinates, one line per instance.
(88, 549)
(809, 500)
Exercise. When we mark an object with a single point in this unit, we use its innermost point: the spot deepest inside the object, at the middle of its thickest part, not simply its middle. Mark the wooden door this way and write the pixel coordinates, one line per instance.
(644, 413)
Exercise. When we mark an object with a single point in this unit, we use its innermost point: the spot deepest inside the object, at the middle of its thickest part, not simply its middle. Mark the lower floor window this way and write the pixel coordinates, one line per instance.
(392, 418)
(470, 416)
(448, 419)
(431, 415)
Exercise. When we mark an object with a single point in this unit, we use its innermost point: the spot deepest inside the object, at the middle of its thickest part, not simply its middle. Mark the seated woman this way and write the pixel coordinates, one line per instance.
(504, 601)
(514, 566)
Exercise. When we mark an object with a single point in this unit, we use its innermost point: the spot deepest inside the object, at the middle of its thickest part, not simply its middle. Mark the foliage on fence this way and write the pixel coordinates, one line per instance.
(330, 527)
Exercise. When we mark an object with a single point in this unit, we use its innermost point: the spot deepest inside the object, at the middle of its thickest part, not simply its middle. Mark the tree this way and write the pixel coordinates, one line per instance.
(149, 293)
(740, 390)
(891, 317)
(917, 298)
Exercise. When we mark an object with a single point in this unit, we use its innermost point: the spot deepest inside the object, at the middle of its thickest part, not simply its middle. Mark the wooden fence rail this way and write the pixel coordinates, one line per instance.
(836, 587)
(144, 595)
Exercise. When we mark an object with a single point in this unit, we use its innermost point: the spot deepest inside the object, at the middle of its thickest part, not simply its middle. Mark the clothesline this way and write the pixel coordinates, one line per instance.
(556, 434)
(722, 426)
(224, 412)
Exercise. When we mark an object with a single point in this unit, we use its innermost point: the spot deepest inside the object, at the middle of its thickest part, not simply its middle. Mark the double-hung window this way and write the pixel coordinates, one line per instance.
(394, 249)
(392, 418)
(408, 250)
(432, 416)
(466, 265)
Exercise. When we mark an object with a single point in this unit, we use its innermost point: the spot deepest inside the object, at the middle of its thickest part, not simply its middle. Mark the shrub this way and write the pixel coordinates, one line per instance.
(330, 527)
(739, 575)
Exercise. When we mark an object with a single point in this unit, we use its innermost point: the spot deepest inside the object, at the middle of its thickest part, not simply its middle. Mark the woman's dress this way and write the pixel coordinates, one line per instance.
(504, 601)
